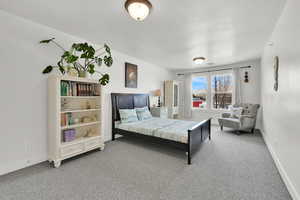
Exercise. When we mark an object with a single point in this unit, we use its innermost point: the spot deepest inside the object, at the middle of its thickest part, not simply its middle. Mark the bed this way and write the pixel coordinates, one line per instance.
(185, 135)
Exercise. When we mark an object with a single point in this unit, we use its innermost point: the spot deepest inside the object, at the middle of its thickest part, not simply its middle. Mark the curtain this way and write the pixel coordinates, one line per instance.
(188, 96)
(237, 79)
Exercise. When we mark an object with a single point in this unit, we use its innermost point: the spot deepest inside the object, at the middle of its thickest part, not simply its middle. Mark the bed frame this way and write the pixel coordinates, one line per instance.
(196, 135)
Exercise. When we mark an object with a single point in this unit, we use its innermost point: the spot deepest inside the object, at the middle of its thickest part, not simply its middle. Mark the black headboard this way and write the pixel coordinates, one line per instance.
(127, 101)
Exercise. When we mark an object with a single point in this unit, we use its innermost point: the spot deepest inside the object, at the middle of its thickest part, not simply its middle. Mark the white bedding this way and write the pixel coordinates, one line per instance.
(176, 130)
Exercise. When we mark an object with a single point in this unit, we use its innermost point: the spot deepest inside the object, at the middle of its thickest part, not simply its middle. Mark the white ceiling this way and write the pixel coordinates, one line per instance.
(223, 31)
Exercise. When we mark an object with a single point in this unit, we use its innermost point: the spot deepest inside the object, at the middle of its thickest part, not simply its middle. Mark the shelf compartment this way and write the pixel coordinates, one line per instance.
(83, 110)
(79, 125)
(80, 97)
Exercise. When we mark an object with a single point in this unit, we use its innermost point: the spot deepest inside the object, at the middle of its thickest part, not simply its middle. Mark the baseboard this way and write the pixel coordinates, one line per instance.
(18, 166)
(287, 181)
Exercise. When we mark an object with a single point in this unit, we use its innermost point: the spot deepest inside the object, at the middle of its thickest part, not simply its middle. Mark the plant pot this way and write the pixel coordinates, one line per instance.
(82, 74)
(72, 72)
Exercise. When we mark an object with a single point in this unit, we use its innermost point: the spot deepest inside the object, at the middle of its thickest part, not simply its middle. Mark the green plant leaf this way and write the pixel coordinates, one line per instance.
(65, 54)
(59, 64)
(98, 61)
(91, 68)
(104, 79)
(46, 41)
(48, 69)
(69, 58)
(107, 49)
(108, 61)
(61, 68)
(86, 52)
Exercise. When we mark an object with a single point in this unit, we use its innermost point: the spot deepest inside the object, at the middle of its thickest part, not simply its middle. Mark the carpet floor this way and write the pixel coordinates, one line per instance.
(228, 167)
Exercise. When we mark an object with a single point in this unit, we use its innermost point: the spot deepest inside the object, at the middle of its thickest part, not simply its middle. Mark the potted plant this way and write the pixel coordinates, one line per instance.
(82, 58)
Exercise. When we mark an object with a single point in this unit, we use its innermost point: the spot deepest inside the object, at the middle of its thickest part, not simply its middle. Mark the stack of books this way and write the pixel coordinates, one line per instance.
(69, 88)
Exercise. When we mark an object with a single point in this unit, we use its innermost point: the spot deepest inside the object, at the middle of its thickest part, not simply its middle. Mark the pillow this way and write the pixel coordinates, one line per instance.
(235, 112)
(128, 115)
(143, 113)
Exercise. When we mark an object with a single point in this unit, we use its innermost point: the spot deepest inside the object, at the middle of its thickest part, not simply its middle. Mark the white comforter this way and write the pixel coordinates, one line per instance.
(176, 130)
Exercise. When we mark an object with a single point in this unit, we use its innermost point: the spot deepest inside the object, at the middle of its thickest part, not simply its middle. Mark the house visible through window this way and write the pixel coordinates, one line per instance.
(221, 91)
(200, 92)
(213, 91)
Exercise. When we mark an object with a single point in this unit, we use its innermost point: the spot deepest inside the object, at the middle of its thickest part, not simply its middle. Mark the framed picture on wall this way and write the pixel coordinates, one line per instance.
(131, 75)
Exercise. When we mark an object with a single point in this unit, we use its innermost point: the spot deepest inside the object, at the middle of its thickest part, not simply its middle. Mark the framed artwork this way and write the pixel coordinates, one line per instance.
(276, 69)
(131, 75)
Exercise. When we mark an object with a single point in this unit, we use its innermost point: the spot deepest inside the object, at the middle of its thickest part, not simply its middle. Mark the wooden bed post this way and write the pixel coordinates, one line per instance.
(113, 136)
(113, 118)
(189, 147)
(209, 129)
(113, 129)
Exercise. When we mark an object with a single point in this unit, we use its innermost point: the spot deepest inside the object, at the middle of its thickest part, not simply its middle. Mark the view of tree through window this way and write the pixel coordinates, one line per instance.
(199, 92)
(221, 91)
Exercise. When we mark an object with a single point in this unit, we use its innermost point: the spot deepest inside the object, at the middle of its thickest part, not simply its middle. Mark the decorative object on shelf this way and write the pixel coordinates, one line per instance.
(72, 72)
(131, 75)
(246, 80)
(82, 57)
(138, 9)
(276, 69)
(76, 120)
(82, 74)
(157, 93)
(88, 105)
(69, 135)
(90, 133)
(94, 118)
(88, 119)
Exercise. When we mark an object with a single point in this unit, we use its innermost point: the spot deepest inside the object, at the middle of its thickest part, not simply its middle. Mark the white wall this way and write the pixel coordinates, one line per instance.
(250, 92)
(281, 110)
(23, 102)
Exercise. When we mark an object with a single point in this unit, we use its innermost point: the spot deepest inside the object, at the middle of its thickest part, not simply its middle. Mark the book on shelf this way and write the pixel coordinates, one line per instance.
(69, 88)
(66, 119)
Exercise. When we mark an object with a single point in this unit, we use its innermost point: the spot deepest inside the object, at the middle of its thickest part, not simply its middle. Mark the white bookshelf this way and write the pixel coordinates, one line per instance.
(81, 114)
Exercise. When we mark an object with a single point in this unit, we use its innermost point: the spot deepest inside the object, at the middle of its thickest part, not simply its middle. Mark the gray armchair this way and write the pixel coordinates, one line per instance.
(245, 122)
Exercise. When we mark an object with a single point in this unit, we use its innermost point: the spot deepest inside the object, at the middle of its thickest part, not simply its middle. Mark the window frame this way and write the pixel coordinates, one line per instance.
(222, 73)
(209, 98)
(206, 75)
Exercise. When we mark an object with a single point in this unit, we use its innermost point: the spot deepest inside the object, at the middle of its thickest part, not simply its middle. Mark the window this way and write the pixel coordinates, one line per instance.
(221, 91)
(199, 92)
(213, 91)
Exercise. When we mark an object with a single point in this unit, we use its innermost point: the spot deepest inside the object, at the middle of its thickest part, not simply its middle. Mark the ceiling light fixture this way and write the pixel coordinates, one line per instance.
(199, 60)
(138, 9)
